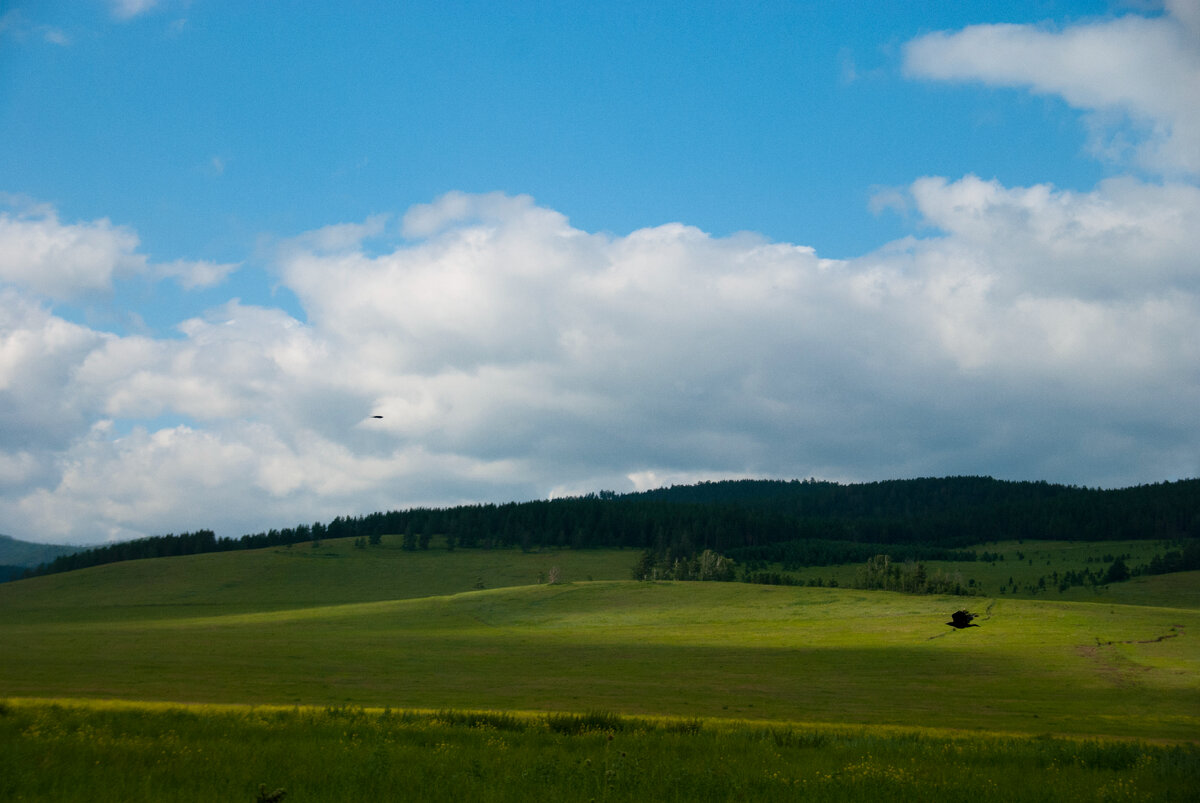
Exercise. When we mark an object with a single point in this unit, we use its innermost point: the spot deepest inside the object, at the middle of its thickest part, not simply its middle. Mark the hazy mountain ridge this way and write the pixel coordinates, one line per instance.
(15, 553)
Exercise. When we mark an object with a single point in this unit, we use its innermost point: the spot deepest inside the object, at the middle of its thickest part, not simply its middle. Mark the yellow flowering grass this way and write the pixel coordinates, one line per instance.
(70, 751)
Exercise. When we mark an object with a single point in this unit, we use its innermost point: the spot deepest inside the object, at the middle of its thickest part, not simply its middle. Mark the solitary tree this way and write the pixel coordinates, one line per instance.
(1117, 572)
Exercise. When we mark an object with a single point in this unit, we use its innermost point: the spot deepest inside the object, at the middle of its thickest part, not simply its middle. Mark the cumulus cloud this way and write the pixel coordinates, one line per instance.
(686, 350)
(1033, 333)
(64, 261)
(1137, 76)
(1125, 238)
(40, 404)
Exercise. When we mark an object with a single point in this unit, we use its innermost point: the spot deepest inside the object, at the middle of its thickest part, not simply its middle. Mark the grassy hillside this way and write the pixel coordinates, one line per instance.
(341, 673)
(1181, 589)
(292, 577)
(345, 626)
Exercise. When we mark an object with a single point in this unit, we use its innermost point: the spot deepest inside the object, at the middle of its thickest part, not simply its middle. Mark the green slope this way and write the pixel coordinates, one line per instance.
(1180, 589)
(687, 649)
(299, 576)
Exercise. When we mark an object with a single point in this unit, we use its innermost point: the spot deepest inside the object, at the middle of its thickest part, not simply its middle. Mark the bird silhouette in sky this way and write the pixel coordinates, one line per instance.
(376, 416)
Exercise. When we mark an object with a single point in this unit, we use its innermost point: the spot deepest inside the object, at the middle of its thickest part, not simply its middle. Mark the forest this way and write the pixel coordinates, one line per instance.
(798, 522)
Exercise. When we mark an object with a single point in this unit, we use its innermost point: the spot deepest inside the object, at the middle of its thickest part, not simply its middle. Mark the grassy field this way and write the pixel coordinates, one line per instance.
(132, 631)
(298, 576)
(97, 753)
(382, 628)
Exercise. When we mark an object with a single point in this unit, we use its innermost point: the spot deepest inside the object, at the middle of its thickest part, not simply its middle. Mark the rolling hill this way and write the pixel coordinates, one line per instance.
(339, 625)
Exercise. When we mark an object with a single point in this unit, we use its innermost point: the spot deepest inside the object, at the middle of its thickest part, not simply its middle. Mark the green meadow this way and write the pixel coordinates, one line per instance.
(751, 691)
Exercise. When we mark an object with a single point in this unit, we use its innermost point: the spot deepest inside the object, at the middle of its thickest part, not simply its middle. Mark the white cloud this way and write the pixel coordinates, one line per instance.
(64, 261)
(195, 274)
(1034, 333)
(1138, 76)
(515, 334)
(1124, 238)
(40, 406)
(340, 236)
(425, 220)
(17, 468)
(128, 9)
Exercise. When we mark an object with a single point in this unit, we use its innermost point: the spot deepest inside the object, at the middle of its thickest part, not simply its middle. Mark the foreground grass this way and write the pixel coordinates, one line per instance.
(94, 752)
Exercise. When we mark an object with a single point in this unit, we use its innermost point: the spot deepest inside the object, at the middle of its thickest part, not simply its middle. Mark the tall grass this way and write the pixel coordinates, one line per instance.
(67, 752)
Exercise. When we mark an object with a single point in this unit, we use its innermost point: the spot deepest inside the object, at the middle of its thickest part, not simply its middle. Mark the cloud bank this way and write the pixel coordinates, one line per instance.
(1038, 333)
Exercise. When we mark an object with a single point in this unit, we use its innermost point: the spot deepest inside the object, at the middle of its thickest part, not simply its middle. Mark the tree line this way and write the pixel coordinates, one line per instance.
(748, 520)
(803, 552)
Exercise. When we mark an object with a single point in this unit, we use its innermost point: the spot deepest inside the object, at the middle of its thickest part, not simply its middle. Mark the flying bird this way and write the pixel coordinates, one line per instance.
(376, 416)
(961, 619)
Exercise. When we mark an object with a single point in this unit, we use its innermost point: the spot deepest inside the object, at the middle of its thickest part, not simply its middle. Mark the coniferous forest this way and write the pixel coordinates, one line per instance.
(802, 522)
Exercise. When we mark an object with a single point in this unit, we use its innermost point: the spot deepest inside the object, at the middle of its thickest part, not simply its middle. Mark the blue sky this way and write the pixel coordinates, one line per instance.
(239, 119)
(575, 246)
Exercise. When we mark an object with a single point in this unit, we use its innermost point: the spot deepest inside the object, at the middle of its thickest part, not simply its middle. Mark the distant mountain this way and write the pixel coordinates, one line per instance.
(25, 554)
